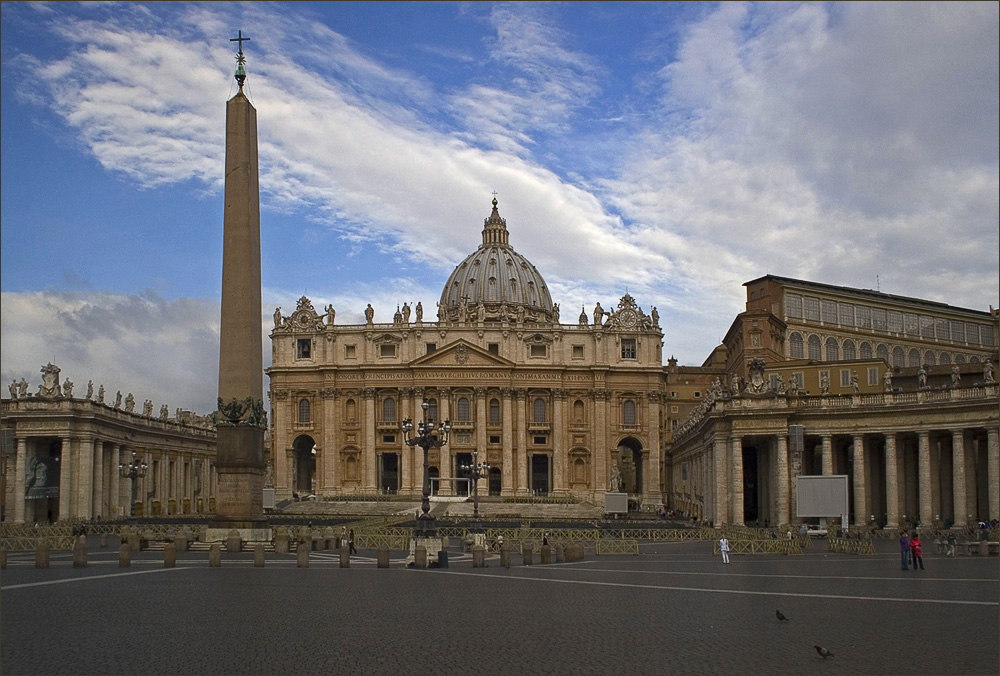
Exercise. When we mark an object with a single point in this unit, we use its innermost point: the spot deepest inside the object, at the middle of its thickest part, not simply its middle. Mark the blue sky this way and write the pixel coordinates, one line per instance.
(673, 150)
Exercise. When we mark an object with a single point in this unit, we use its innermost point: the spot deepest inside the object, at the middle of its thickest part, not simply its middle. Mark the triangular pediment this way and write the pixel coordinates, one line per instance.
(461, 354)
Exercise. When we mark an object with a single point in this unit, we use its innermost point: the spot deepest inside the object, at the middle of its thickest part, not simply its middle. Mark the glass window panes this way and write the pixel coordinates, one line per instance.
(628, 348)
(972, 333)
(959, 358)
(878, 319)
(930, 358)
(882, 352)
(628, 412)
(945, 358)
(850, 353)
(895, 321)
(795, 345)
(464, 410)
(304, 411)
(913, 359)
(866, 350)
(829, 311)
(863, 315)
(815, 348)
(845, 377)
(926, 326)
(799, 379)
(388, 410)
(810, 307)
(846, 312)
(941, 329)
(873, 376)
(898, 359)
(911, 324)
(832, 350)
(432, 409)
(494, 411)
(793, 305)
(538, 410)
(958, 332)
(986, 335)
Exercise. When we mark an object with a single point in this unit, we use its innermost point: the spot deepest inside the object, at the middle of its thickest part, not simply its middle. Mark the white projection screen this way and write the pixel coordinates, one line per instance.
(821, 495)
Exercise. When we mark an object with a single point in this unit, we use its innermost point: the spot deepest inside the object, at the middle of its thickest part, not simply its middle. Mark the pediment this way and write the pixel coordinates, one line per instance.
(461, 353)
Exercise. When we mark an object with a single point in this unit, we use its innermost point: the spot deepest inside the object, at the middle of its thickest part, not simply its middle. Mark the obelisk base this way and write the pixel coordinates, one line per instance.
(239, 466)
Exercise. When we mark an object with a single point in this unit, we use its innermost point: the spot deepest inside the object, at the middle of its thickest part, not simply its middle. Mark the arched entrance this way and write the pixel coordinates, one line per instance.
(305, 464)
(629, 458)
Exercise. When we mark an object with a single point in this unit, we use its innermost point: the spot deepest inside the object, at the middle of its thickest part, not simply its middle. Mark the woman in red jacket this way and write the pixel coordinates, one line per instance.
(917, 551)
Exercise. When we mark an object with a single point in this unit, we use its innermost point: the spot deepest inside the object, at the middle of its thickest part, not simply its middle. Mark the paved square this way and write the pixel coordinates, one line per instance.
(674, 609)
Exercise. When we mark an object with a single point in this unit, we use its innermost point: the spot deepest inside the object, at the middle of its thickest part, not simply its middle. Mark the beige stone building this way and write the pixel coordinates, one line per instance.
(556, 408)
(897, 393)
(62, 451)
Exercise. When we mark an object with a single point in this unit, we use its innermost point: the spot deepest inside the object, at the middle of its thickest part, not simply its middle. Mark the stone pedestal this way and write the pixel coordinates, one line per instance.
(432, 545)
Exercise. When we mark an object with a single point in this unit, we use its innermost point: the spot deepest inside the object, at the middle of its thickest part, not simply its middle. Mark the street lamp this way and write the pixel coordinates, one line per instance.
(132, 470)
(426, 440)
(476, 471)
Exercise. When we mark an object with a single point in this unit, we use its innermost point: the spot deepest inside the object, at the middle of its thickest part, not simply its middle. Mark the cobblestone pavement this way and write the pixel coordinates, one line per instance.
(675, 609)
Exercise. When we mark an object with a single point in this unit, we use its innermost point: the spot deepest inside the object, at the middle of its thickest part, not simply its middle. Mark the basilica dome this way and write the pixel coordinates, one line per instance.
(496, 281)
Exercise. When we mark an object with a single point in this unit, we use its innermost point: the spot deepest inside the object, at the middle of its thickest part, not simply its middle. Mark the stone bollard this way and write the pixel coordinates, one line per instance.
(546, 554)
(41, 554)
(478, 556)
(505, 556)
(3, 558)
(383, 556)
(134, 541)
(180, 543)
(258, 556)
(124, 556)
(233, 541)
(214, 555)
(984, 547)
(526, 553)
(419, 557)
(104, 540)
(560, 553)
(444, 542)
(80, 552)
(329, 538)
(345, 555)
(281, 541)
(303, 556)
(170, 555)
(318, 543)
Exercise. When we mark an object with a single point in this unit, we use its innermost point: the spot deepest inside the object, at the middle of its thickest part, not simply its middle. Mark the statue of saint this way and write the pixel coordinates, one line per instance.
(598, 314)
(369, 314)
(22, 389)
(988, 371)
(13, 390)
(90, 390)
(100, 394)
(922, 378)
(129, 403)
(555, 313)
(277, 317)
(420, 312)
(655, 315)
(330, 314)
(118, 399)
(887, 381)
(164, 412)
(956, 376)
(68, 388)
(854, 382)
(734, 386)
(406, 313)
(824, 384)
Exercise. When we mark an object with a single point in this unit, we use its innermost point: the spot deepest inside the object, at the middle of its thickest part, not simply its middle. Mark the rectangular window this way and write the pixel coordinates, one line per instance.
(350, 352)
(578, 352)
(879, 321)
(911, 324)
(957, 332)
(431, 347)
(628, 348)
(388, 438)
(829, 312)
(673, 425)
(845, 377)
(941, 329)
(873, 376)
(774, 382)
(972, 333)
(895, 322)
(986, 334)
(863, 315)
(799, 379)
(926, 326)
(387, 350)
(303, 348)
(673, 395)
(494, 440)
(493, 348)
(697, 395)
(539, 440)
(673, 409)
(793, 305)
(538, 350)
(846, 312)
(811, 308)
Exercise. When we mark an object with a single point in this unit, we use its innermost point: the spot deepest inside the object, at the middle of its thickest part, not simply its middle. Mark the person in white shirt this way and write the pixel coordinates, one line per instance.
(724, 548)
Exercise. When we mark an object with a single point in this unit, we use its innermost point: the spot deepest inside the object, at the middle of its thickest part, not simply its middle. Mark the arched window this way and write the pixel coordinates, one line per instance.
(973, 359)
(795, 345)
(304, 411)
(432, 409)
(494, 411)
(945, 358)
(930, 358)
(898, 358)
(832, 349)
(578, 411)
(538, 414)
(628, 412)
(815, 348)
(350, 410)
(850, 353)
(882, 352)
(388, 410)
(351, 469)
(959, 358)
(866, 350)
(913, 358)
(464, 414)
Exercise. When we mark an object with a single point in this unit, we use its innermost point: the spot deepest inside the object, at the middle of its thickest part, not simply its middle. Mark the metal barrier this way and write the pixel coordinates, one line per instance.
(606, 546)
(850, 546)
(24, 537)
(769, 546)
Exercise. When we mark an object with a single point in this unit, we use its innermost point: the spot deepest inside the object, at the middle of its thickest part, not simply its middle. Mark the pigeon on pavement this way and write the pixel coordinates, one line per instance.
(781, 617)
(823, 652)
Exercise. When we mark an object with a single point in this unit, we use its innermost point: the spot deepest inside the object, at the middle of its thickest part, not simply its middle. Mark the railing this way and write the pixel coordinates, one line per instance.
(24, 537)
(775, 546)
(850, 545)
(606, 546)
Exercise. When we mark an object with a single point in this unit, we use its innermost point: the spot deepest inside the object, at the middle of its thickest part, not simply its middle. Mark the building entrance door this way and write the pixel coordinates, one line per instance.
(461, 461)
(389, 470)
(540, 474)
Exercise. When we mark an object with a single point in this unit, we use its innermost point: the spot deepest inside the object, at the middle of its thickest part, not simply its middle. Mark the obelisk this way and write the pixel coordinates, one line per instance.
(240, 460)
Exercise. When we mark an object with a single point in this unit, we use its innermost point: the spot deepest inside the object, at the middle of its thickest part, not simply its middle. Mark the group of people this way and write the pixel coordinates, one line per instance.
(911, 549)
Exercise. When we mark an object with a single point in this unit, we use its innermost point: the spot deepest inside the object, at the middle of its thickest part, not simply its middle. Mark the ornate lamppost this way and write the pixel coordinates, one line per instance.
(476, 471)
(132, 470)
(426, 440)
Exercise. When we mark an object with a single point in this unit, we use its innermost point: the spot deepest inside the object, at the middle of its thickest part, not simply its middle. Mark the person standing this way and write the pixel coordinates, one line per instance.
(904, 546)
(916, 547)
(724, 548)
(951, 544)
(350, 541)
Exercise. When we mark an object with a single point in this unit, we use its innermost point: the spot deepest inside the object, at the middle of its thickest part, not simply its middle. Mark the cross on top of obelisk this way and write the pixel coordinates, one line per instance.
(241, 73)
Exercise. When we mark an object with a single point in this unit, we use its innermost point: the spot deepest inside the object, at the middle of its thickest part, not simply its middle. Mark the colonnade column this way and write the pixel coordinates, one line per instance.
(19, 469)
(721, 490)
(924, 479)
(328, 449)
(507, 476)
(85, 473)
(444, 469)
(860, 493)
(652, 475)
(600, 438)
(368, 451)
(891, 482)
(98, 487)
(559, 483)
(279, 444)
(522, 441)
(481, 421)
(827, 450)
(958, 476)
(993, 479)
(736, 481)
(781, 467)
(405, 452)
(65, 479)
